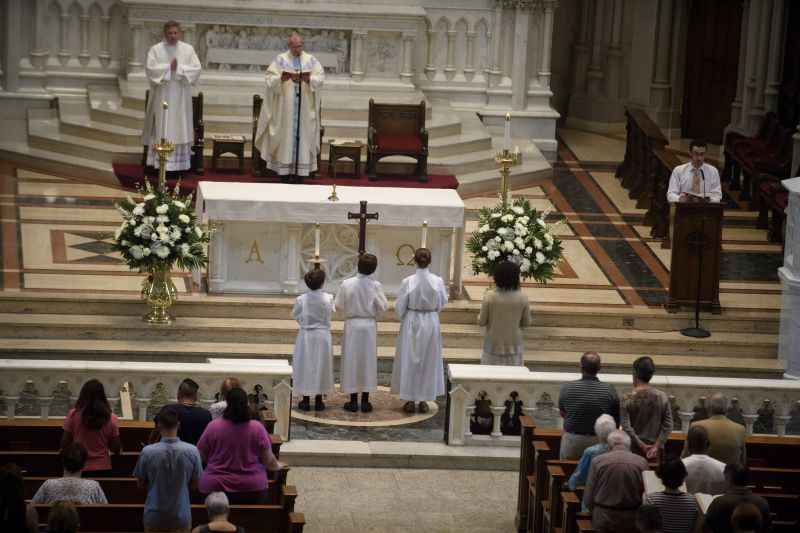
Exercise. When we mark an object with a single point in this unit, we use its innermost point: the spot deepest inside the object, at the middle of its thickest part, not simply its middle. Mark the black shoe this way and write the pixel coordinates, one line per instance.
(351, 406)
(305, 404)
(366, 407)
(318, 404)
(423, 407)
(408, 407)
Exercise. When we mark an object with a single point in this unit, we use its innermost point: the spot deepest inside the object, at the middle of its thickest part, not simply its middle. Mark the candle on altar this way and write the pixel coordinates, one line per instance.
(164, 118)
(507, 136)
(424, 243)
(316, 239)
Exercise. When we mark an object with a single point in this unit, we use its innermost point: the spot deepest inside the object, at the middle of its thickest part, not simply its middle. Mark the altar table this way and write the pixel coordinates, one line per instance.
(263, 234)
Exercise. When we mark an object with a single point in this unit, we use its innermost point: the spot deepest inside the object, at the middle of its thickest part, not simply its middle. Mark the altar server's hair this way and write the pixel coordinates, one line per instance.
(315, 278)
(422, 257)
(171, 24)
(506, 276)
(367, 264)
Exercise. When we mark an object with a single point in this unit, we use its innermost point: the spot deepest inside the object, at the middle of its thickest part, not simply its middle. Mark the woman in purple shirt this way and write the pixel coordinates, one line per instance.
(238, 453)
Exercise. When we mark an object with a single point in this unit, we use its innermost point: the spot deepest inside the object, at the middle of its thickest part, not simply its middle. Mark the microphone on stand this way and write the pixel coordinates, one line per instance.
(703, 177)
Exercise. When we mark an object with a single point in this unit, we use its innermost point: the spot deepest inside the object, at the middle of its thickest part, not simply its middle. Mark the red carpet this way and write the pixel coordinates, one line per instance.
(130, 176)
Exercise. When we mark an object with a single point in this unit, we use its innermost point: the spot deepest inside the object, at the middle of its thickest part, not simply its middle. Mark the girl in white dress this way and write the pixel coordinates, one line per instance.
(313, 352)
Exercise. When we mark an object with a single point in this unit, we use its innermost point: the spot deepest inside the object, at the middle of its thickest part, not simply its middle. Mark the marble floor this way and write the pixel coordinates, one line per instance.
(345, 500)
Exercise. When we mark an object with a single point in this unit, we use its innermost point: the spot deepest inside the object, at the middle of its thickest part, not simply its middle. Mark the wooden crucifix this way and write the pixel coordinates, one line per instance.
(362, 217)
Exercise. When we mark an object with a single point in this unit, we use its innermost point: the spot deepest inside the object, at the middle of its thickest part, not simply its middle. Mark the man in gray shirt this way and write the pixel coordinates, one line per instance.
(167, 469)
(645, 412)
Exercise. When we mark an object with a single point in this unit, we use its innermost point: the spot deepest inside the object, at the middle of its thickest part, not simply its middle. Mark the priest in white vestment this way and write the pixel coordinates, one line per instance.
(293, 84)
(418, 372)
(172, 68)
(361, 300)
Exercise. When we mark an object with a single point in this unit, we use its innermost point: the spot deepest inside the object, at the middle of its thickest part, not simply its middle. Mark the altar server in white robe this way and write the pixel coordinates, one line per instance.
(361, 300)
(312, 364)
(418, 374)
(172, 69)
(293, 77)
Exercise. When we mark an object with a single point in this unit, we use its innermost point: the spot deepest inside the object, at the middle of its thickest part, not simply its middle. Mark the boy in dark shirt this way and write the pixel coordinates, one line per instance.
(193, 419)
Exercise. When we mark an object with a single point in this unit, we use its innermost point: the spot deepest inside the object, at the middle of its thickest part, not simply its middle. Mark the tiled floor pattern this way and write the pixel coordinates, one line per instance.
(401, 500)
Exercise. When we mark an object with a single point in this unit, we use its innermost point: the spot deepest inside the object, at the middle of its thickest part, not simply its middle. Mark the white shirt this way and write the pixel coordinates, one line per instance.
(704, 474)
(682, 177)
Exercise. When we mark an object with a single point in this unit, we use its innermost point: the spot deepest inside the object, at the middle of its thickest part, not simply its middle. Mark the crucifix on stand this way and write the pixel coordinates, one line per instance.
(362, 217)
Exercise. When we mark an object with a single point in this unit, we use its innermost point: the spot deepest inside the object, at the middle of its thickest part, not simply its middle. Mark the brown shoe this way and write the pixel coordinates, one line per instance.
(409, 407)
(423, 407)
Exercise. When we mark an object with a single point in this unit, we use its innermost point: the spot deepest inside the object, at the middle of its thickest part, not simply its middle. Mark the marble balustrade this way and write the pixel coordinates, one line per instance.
(48, 388)
(763, 406)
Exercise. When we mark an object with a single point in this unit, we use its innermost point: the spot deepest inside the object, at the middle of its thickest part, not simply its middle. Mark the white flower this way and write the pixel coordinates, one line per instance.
(517, 209)
(498, 239)
(484, 228)
(176, 234)
(485, 248)
(162, 209)
(519, 242)
(496, 215)
(179, 204)
(162, 251)
(149, 220)
(482, 260)
(149, 197)
(137, 231)
(198, 232)
(146, 251)
(537, 244)
(548, 237)
(515, 252)
(507, 217)
(502, 231)
(540, 221)
(138, 210)
(187, 230)
(125, 243)
(161, 219)
(540, 257)
(528, 250)
(184, 249)
(508, 245)
(549, 247)
(137, 252)
(153, 237)
(184, 218)
(524, 268)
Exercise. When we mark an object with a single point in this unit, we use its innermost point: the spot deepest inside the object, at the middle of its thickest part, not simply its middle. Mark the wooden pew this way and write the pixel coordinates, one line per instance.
(536, 484)
(558, 472)
(48, 463)
(571, 508)
(40, 434)
(526, 467)
(585, 525)
(124, 518)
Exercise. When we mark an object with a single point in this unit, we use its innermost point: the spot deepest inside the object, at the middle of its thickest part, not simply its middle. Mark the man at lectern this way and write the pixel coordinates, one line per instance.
(695, 181)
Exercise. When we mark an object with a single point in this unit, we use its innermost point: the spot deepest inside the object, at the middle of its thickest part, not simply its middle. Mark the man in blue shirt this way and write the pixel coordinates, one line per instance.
(167, 469)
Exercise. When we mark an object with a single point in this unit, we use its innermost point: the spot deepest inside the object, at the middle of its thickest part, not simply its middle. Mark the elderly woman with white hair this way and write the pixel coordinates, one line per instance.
(603, 427)
(218, 510)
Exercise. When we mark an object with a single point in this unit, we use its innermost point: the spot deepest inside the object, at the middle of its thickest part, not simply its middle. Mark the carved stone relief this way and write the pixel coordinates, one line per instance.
(383, 54)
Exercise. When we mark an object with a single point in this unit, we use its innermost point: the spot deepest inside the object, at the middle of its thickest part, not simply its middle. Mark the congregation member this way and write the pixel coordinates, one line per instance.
(504, 312)
(168, 469)
(746, 518)
(726, 438)
(293, 84)
(92, 424)
(361, 300)
(236, 450)
(217, 408)
(581, 402)
(614, 487)
(193, 418)
(172, 68)
(704, 473)
(71, 487)
(312, 361)
(218, 509)
(63, 518)
(679, 510)
(720, 513)
(603, 427)
(648, 519)
(645, 413)
(16, 516)
(418, 373)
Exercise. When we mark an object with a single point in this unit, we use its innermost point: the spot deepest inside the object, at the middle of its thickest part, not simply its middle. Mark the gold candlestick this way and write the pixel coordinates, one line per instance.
(333, 197)
(164, 149)
(506, 159)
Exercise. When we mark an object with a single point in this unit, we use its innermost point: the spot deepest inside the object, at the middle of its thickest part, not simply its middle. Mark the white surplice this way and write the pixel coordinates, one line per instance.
(175, 88)
(361, 300)
(312, 364)
(418, 373)
(277, 123)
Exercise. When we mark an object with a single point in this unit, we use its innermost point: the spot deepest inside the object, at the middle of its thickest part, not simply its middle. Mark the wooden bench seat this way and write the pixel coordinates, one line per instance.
(124, 518)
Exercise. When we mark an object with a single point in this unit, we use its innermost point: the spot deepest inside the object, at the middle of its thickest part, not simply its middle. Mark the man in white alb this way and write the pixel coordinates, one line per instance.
(695, 181)
(294, 81)
(172, 68)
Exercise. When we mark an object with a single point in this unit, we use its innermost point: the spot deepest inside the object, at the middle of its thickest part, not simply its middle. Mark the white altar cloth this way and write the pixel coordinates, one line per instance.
(264, 233)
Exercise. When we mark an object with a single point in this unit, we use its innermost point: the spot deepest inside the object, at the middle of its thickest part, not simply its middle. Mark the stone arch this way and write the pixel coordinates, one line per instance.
(483, 60)
(53, 25)
(440, 44)
(461, 27)
(96, 29)
(119, 32)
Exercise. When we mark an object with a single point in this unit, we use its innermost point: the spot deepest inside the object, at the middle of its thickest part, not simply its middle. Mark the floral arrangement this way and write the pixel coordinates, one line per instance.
(515, 232)
(160, 231)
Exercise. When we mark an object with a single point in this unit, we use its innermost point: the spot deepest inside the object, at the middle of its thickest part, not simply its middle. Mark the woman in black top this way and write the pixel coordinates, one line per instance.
(218, 510)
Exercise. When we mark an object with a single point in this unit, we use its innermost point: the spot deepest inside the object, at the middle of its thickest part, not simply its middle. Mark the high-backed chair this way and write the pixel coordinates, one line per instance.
(259, 166)
(397, 129)
(199, 133)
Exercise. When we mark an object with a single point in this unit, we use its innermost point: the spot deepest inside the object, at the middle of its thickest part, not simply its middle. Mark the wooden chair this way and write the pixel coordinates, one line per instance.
(397, 129)
(199, 133)
(259, 166)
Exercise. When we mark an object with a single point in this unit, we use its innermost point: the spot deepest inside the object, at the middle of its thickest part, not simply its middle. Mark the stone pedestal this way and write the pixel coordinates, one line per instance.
(789, 273)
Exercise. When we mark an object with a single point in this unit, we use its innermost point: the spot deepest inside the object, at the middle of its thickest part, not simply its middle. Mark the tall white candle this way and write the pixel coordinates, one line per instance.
(316, 239)
(424, 243)
(507, 137)
(165, 106)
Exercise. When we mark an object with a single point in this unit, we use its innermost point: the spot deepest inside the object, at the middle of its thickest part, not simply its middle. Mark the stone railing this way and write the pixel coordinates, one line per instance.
(48, 388)
(763, 406)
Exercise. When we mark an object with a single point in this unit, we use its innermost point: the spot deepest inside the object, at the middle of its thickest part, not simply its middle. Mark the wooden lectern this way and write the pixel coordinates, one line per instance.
(698, 226)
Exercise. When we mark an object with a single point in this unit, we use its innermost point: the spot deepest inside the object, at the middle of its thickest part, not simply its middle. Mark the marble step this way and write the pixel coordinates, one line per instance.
(541, 360)
(483, 181)
(58, 163)
(45, 134)
(50, 326)
(456, 312)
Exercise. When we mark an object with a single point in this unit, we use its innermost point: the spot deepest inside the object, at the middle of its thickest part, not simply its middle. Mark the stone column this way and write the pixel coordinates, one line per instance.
(751, 43)
(217, 271)
(83, 55)
(39, 53)
(662, 77)
(458, 422)
(13, 51)
(581, 48)
(547, 44)
(614, 64)
(519, 64)
(595, 74)
(736, 105)
(105, 41)
(496, 72)
(134, 59)
(775, 57)
(789, 274)
(64, 53)
(469, 59)
(762, 61)
(407, 70)
(450, 67)
(430, 67)
(357, 68)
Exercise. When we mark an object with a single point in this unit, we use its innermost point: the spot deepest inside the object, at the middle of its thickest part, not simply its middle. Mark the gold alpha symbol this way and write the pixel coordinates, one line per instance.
(254, 251)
